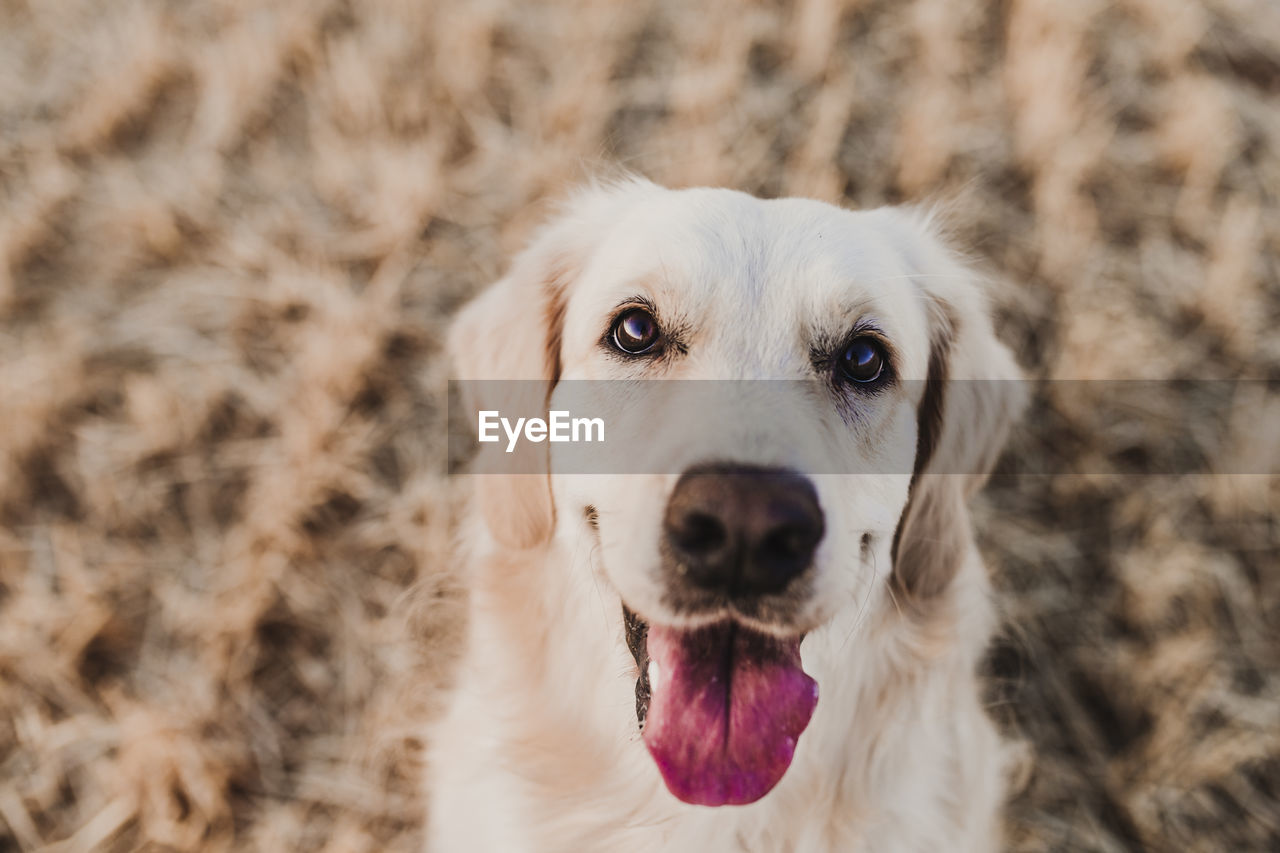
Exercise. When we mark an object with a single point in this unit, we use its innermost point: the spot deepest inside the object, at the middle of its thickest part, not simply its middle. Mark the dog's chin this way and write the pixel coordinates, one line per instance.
(721, 706)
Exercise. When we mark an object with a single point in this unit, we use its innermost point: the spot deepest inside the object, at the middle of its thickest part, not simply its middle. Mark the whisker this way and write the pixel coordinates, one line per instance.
(862, 607)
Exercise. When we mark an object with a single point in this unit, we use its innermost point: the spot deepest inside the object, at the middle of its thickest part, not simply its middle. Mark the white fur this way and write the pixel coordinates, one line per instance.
(539, 750)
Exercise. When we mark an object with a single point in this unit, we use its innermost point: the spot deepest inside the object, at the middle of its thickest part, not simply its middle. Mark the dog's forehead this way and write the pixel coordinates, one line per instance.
(726, 261)
(717, 235)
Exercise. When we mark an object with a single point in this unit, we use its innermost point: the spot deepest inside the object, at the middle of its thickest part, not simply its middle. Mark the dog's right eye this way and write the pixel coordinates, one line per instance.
(862, 361)
(635, 332)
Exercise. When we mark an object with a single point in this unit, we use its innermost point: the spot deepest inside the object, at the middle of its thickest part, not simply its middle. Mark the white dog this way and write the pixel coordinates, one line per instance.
(767, 639)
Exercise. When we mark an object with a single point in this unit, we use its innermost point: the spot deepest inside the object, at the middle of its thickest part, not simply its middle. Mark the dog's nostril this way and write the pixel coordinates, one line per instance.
(699, 533)
(787, 542)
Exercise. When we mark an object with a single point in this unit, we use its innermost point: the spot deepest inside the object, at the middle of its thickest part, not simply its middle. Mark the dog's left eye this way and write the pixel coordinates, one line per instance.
(635, 331)
(862, 361)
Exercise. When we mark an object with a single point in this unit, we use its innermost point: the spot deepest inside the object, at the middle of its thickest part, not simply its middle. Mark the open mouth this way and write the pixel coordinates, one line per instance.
(721, 707)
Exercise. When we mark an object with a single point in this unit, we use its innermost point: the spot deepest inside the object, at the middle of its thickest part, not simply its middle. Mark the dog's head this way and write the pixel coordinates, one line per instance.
(837, 486)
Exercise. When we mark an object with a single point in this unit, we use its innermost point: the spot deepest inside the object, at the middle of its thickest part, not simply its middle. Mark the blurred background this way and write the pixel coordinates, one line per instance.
(232, 233)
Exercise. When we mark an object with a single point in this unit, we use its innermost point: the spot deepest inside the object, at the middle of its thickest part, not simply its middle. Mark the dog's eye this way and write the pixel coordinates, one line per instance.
(862, 361)
(635, 331)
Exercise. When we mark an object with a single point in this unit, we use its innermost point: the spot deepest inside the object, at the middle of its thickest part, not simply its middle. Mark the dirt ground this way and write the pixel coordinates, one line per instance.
(232, 233)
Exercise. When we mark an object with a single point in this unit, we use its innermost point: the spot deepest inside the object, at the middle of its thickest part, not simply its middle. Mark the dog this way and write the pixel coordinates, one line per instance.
(763, 642)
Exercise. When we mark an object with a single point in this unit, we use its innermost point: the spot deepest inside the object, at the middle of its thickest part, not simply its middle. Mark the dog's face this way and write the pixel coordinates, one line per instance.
(831, 334)
(741, 515)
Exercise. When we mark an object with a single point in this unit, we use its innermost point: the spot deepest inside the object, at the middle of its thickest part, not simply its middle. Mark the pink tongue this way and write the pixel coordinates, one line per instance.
(726, 711)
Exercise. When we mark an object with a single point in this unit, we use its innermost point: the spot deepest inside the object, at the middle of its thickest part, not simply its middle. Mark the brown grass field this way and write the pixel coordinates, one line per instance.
(232, 233)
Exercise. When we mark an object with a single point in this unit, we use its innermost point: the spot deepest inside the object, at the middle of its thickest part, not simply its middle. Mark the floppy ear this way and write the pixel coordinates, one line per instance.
(512, 332)
(971, 398)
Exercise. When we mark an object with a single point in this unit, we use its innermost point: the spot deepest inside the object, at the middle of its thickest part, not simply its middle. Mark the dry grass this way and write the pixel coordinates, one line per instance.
(230, 236)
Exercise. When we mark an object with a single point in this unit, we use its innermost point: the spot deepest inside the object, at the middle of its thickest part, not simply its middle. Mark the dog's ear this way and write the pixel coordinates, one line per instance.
(972, 395)
(505, 345)
(506, 341)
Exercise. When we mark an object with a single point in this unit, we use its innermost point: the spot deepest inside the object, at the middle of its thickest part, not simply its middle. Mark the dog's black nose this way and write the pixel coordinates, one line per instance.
(742, 530)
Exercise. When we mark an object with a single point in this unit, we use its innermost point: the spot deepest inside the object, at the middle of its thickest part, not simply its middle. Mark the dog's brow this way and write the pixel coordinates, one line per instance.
(636, 302)
(828, 340)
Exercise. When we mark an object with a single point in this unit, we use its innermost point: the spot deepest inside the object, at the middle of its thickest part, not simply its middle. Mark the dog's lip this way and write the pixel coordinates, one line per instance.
(637, 631)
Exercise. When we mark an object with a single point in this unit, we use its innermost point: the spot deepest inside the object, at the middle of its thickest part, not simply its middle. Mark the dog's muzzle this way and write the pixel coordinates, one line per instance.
(722, 706)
